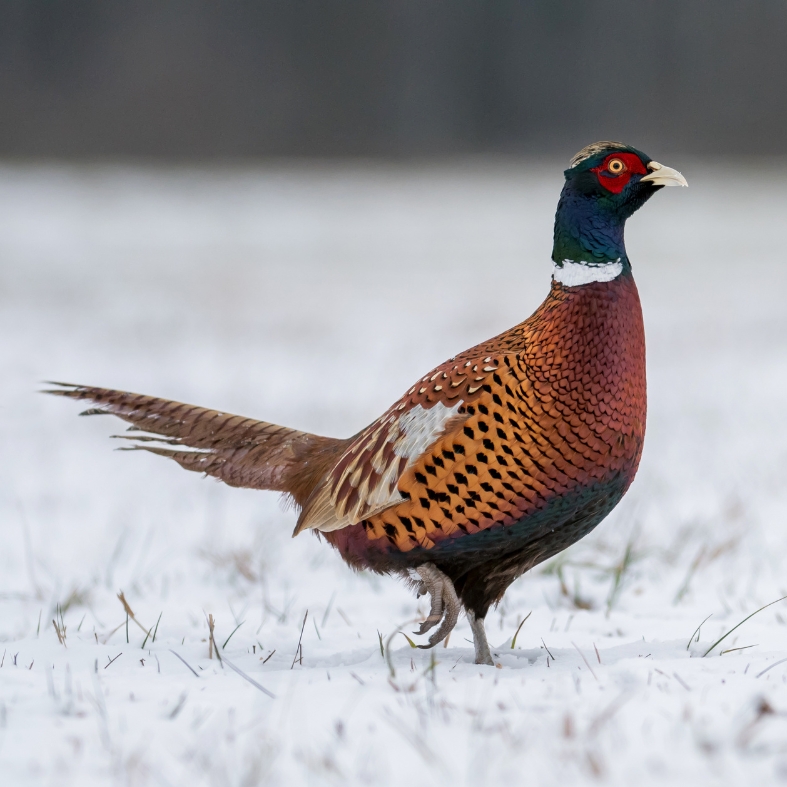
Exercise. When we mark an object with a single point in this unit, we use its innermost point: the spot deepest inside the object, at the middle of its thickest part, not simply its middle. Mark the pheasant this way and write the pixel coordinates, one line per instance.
(495, 460)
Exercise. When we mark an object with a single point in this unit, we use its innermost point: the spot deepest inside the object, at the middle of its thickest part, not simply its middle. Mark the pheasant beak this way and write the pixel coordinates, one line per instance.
(664, 176)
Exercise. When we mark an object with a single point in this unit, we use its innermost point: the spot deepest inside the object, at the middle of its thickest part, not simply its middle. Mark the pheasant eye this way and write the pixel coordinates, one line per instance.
(616, 166)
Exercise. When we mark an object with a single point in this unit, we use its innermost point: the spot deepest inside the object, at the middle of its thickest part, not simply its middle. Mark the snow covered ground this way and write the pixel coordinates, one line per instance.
(313, 296)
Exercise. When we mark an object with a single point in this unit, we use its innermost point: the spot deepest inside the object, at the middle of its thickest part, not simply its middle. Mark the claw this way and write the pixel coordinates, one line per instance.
(429, 623)
(445, 604)
(431, 579)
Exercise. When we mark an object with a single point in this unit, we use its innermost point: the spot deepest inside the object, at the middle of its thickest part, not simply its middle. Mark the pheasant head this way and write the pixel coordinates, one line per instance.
(605, 183)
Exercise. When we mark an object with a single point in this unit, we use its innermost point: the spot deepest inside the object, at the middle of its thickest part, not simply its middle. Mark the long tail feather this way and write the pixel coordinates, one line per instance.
(240, 451)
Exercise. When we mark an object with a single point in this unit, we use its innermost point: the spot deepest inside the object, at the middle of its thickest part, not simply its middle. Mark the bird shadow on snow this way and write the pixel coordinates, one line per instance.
(520, 659)
(570, 658)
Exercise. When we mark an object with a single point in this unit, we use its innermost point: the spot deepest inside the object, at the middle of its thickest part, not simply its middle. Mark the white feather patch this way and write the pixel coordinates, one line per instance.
(420, 427)
(574, 274)
(410, 436)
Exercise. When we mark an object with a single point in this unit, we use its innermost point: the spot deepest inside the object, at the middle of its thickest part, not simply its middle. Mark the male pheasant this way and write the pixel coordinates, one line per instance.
(492, 462)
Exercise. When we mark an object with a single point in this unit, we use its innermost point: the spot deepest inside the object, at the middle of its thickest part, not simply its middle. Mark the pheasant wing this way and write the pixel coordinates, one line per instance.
(365, 479)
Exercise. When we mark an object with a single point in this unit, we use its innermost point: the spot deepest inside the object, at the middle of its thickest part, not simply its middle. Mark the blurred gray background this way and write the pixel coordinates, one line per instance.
(254, 78)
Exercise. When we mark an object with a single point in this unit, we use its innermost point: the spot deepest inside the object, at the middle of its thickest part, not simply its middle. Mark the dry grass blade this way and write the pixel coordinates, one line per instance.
(173, 714)
(299, 649)
(775, 664)
(111, 661)
(547, 649)
(250, 680)
(732, 650)
(131, 615)
(721, 639)
(108, 636)
(193, 671)
(212, 646)
(587, 663)
(60, 626)
(328, 609)
(608, 713)
(61, 634)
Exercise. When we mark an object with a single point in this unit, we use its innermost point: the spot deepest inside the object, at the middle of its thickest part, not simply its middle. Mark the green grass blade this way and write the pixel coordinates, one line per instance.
(230, 636)
(519, 628)
(696, 631)
(740, 624)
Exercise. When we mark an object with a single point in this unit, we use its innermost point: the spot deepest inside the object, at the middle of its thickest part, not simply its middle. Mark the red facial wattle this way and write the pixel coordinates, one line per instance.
(617, 181)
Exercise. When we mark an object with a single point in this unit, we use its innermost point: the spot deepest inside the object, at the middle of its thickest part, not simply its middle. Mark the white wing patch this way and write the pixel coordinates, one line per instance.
(411, 434)
(420, 427)
(368, 473)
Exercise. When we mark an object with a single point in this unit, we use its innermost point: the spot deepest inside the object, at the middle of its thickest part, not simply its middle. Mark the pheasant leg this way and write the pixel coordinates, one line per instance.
(482, 653)
(444, 603)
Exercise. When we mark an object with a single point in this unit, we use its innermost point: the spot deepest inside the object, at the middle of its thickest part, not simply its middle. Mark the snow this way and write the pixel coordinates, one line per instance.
(314, 295)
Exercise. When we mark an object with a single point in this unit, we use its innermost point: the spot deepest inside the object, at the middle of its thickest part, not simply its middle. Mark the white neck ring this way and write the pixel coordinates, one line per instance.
(575, 274)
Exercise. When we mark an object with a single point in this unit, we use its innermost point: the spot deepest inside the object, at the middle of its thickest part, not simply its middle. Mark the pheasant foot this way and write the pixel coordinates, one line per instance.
(444, 603)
